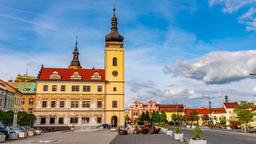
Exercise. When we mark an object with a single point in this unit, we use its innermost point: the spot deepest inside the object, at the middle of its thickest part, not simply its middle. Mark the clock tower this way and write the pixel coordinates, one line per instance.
(114, 74)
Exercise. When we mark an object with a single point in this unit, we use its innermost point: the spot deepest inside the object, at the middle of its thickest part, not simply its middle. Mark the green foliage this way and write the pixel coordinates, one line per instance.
(24, 118)
(6, 117)
(245, 112)
(126, 118)
(163, 117)
(177, 129)
(197, 134)
(223, 120)
(155, 117)
(174, 118)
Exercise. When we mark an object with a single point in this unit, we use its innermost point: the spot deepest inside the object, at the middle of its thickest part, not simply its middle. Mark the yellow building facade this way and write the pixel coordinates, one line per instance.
(80, 97)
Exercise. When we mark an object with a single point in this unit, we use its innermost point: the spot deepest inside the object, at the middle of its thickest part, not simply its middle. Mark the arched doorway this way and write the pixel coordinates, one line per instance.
(114, 121)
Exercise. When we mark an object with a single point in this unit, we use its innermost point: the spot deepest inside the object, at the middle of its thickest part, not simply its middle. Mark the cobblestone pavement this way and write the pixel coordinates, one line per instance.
(69, 137)
(145, 139)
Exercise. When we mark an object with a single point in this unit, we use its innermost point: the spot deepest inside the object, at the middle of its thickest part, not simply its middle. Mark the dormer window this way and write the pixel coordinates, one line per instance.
(76, 76)
(96, 76)
(55, 75)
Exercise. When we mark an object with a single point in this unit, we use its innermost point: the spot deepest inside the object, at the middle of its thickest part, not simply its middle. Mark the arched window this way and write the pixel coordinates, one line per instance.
(114, 61)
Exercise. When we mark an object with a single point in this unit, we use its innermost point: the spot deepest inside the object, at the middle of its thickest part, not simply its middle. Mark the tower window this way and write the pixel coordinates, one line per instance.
(114, 104)
(114, 61)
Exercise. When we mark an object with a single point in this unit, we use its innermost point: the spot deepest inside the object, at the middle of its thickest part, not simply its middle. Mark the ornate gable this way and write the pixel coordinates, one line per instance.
(76, 76)
(55, 75)
(96, 76)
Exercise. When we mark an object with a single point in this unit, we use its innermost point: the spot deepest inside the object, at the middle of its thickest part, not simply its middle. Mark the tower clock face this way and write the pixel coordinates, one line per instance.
(115, 73)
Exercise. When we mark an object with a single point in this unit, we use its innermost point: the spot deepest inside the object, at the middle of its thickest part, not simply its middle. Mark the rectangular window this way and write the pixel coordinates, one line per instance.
(75, 87)
(114, 88)
(114, 104)
(74, 104)
(54, 87)
(44, 104)
(42, 121)
(61, 121)
(53, 104)
(73, 120)
(23, 101)
(86, 88)
(99, 88)
(45, 88)
(52, 120)
(98, 119)
(0, 102)
(62, 104)
(31, 101)
(62, 88)
(85, 120)
(99, 104)
(86, 104)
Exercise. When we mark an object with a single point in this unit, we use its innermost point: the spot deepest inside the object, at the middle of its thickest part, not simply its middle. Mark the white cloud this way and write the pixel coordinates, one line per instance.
(218, 67)
(230, 6)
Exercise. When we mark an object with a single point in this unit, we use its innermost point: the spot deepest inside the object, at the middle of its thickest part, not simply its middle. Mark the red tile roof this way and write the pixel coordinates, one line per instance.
(230, 104)
(171, 107)
(66, 74)
(205, 110)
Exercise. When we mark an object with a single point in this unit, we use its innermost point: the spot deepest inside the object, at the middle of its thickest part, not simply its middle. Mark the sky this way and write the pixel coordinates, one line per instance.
(175, 51)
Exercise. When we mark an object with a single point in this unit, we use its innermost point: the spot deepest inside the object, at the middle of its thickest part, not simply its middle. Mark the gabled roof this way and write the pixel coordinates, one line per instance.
(230, 105)
(9, 87)
(66, 74)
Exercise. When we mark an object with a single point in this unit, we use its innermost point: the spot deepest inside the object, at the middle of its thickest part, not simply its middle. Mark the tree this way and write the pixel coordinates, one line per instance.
(155, 117)
(193, 116)
(223, 120)
(174, 118)
(24, 118)
(245, 113)
(205, 118)
(163, 116)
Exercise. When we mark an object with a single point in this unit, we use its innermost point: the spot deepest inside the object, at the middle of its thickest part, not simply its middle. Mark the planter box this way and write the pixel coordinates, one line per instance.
(169, 132)
(2, 138)
(38, 132)
(191, 141)
(30, 133)
(13, 136)
(21, 134)
(178, 136)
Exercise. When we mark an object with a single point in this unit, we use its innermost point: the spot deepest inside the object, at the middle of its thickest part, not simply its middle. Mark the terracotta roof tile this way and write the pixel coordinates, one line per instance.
(66, 74)
(230, 104)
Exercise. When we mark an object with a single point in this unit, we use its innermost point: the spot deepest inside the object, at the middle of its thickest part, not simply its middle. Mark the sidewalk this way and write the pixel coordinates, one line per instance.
(225, 131)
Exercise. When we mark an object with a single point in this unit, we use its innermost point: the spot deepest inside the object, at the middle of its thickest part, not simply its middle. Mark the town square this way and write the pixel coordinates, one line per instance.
(128, 72)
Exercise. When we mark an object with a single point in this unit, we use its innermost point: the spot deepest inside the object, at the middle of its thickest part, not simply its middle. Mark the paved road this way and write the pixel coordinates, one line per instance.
(145, 139)
(69, 137)
(223, 137)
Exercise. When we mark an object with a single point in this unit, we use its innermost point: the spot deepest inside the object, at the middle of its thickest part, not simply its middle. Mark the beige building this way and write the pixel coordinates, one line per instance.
(77, 97)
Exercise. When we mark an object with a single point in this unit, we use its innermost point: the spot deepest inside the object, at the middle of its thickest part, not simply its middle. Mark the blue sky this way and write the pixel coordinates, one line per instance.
(175, 50)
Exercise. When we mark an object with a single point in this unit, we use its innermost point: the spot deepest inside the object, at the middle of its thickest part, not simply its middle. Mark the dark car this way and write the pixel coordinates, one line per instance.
(3, 130)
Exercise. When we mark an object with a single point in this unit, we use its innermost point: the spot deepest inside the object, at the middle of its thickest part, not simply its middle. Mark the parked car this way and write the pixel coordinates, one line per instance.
(3, 130)
(22, 133)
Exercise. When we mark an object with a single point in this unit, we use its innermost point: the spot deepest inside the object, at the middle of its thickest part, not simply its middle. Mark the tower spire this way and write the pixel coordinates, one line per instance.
(75, 63)
(113, 35)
